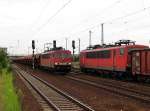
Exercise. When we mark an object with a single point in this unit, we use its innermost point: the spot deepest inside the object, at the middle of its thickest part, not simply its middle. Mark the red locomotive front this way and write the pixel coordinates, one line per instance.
(60, 60)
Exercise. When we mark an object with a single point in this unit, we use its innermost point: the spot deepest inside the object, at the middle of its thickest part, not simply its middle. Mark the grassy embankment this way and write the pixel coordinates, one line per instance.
(8, 98)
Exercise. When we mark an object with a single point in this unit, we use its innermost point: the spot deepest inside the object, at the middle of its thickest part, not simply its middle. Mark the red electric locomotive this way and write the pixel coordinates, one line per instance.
(111, 59)
(57, 59)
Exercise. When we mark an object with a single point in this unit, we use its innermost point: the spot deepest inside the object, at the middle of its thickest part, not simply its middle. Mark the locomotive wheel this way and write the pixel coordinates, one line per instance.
(83, 70)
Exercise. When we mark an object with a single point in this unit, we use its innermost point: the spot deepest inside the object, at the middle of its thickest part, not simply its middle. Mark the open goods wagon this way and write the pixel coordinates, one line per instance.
(141, 62)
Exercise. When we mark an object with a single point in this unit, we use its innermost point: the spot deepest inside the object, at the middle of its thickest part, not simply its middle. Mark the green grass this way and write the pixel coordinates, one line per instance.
(76, 64)
(8, 98)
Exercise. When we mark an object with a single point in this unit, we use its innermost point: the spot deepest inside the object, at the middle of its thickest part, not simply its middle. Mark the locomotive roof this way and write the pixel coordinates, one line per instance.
(117, 47)
(55, 51)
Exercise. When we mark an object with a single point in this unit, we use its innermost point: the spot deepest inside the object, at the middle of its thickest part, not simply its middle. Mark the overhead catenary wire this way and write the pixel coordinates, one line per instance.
(108, 7)
(102, 11)
(106, 22)
(44, 24)
(112, 20)
(127, 15)
(41, 13)
(55, 14)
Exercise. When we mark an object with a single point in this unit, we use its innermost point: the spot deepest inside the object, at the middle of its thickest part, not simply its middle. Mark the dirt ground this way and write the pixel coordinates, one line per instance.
(98, 99)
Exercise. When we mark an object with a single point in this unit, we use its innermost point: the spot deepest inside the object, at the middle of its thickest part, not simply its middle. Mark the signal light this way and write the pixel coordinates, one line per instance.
(73, 44)
(54, 43)
(33, 44)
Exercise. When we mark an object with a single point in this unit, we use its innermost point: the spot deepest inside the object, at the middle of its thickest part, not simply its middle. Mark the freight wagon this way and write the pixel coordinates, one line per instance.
(140, 62)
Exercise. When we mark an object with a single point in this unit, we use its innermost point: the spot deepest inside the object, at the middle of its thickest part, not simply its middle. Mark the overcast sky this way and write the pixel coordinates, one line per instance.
(24, 20)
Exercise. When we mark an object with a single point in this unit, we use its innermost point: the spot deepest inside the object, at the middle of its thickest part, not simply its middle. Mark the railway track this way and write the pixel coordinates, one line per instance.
(51, 98)
(111, 86)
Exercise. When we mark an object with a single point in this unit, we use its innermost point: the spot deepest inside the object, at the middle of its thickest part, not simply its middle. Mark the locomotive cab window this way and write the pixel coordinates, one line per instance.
(121, 51)
(45, 56)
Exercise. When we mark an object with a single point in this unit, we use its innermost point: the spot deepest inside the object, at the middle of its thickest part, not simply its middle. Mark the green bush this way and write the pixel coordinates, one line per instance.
(4, 61)
(9, 100)
(76, 58)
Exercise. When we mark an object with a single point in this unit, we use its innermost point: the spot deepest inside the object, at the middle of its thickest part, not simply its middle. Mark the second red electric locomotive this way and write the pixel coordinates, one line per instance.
(113, 59)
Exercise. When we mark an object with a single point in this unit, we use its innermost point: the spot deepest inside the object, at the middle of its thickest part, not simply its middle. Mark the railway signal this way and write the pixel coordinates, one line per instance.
(54, 44)
(73, 46)
(33, 44)
(33, 47)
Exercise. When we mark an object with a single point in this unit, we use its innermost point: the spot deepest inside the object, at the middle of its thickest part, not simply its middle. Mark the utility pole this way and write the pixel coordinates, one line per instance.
(44, 47)
(66, 42)
(79, 45)
(18, 43)
(90, 33)
(102, 33)
(28, 50)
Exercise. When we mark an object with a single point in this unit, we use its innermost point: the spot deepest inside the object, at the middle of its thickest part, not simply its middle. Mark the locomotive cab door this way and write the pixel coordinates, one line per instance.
(82, 59)
(119, 62)
(114, 59)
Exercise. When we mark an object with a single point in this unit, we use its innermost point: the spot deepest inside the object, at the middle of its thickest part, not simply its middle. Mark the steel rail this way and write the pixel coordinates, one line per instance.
(119, 90)
(41, 94)
(83, 106)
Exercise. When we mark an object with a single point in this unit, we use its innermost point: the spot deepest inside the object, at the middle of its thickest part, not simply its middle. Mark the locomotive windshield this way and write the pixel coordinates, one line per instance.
(66, 55)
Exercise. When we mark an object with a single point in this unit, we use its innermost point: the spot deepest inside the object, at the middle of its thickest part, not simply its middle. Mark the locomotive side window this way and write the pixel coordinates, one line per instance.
(91, 55)
(121, 51)
(104, 54)
(99, 54)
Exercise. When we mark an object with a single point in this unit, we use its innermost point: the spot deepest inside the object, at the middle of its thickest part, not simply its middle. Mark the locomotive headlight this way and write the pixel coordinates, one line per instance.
(56, 63)
(69, 63)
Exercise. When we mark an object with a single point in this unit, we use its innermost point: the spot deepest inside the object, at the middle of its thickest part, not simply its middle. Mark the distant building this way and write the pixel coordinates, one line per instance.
(3, 49)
